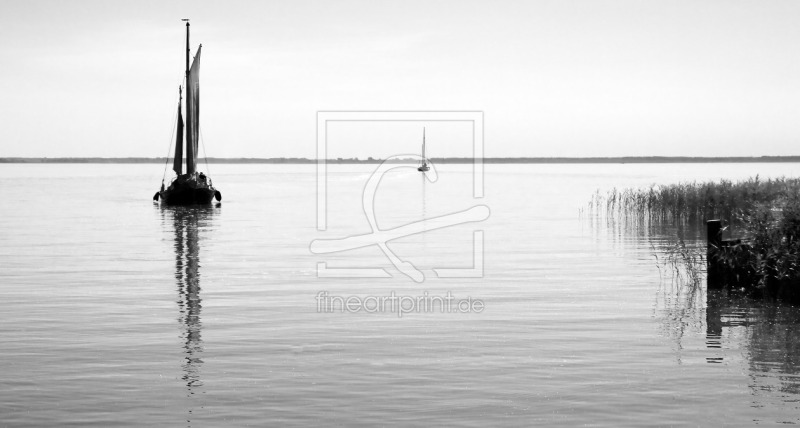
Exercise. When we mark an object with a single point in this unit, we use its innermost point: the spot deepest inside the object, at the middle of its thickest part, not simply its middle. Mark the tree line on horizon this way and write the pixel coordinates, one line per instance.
(369, 160)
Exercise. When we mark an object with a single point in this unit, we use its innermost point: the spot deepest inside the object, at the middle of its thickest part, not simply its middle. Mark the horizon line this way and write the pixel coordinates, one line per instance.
(445, 160)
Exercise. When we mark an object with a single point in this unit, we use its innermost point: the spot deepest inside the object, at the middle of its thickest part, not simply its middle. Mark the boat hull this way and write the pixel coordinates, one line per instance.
(188, 192)
(423, 168)
(187, 196)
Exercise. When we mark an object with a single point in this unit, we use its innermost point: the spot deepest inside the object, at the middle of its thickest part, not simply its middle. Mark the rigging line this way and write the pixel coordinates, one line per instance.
(174, 124)
(203, 145)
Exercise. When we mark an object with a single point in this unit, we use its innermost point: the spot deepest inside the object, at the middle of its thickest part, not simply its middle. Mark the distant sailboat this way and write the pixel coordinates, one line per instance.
(193, 187)
(424, 167)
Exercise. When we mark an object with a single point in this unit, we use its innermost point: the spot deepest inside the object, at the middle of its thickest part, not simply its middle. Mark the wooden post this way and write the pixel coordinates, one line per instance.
(714, 237)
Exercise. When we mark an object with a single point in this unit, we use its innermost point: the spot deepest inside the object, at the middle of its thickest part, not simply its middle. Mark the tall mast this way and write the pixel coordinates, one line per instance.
(187, 48)
(423, 144)
(190, 107)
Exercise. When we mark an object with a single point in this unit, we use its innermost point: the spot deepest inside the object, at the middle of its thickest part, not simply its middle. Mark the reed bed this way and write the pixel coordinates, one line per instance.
(692, 203)
(766, 214)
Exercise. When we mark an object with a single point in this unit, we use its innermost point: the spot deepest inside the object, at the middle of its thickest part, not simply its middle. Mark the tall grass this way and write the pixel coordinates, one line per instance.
(692, 203)
(766, 213)
(683, 264)
(772, 249)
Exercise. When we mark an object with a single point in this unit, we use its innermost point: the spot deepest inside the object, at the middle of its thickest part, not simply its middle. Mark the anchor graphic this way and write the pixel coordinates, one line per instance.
(381, 237)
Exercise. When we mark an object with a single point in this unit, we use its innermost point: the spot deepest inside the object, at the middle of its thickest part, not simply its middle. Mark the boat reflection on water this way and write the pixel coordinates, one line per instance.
(187, 223)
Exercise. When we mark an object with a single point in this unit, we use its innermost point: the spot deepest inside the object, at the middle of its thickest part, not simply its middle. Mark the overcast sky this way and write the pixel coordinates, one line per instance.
(553, 78)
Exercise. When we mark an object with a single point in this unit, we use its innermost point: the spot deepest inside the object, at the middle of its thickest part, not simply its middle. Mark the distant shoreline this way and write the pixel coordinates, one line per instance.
(542, 160)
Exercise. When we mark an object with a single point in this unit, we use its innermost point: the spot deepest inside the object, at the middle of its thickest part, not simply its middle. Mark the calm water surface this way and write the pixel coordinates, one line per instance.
(117, 312)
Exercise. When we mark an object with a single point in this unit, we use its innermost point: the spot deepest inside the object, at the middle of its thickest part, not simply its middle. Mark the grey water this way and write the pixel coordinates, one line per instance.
(115, 311)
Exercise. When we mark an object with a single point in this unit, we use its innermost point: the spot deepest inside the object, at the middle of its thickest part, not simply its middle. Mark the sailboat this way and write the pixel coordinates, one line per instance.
(424, 166)
(193, 187)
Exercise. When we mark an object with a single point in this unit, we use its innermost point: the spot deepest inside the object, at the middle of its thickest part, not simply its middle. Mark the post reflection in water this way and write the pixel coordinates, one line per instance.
(732, 332)
(769, 341)
(187, 222)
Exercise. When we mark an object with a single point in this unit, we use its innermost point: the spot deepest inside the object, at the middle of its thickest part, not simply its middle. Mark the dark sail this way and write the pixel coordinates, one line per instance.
(177, 165)
(193, 113)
